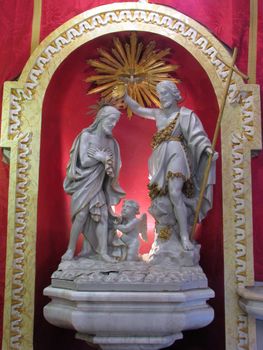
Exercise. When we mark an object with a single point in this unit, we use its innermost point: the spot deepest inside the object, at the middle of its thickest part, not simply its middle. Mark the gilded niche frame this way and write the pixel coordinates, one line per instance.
(21, 129)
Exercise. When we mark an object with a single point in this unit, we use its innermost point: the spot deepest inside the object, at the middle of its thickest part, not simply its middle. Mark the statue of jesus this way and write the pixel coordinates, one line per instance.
(92, 182)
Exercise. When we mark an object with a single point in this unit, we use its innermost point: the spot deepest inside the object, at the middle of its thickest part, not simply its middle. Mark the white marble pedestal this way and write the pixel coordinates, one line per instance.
(122, 320)
(251, 301)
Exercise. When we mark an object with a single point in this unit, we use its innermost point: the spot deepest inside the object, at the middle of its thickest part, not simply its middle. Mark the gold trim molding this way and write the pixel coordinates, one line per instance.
(252, 43)
(21, 129)
(36, 24)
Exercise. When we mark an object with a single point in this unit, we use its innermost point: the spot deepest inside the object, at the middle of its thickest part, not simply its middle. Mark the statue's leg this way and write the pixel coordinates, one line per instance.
(76, 229)
(175, 186)
(86, 250)
(133, 250)
(102, 235)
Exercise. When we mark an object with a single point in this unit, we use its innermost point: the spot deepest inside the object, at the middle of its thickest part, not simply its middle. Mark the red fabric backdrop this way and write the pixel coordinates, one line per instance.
(229, 21)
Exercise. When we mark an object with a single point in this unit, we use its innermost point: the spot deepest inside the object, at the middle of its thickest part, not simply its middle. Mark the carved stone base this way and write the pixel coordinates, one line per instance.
(131, 343)
(129, 320)
(86, 275)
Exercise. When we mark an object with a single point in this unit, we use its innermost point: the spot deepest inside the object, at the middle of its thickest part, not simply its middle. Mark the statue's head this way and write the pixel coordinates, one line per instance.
(168, 93)
(106, 118)
(130, 208)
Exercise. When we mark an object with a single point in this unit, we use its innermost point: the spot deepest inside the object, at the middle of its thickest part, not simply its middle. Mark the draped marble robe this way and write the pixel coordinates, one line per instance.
(186, 158)
(92, 187)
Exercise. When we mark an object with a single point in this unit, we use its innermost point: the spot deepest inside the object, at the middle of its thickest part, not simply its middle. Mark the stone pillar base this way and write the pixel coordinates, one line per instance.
(120, 320)
(131, 343)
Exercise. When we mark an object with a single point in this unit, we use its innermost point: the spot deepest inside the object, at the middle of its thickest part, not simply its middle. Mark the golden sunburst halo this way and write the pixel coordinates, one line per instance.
(130, 67)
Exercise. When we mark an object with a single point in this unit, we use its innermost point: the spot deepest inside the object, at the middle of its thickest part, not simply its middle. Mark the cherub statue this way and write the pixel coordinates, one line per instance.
(126, 247)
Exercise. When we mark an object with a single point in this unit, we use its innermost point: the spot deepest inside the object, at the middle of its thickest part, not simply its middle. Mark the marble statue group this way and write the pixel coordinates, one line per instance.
(108, 293)
(180, 149)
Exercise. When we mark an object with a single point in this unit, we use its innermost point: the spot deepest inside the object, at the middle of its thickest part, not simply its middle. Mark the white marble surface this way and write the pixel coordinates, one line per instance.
(251, 300)
(131, 343)
(129, 320)
(87, 274)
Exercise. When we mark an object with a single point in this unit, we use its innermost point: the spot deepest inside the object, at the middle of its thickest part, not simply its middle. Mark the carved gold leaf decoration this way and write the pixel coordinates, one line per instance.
(133, 68)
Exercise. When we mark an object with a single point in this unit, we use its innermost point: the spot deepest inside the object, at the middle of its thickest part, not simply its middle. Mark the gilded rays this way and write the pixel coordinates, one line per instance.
(132, 66)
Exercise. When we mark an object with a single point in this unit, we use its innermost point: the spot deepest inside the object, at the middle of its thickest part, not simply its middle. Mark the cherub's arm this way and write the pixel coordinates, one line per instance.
(149, 113)
(125, 228)
(127, 239)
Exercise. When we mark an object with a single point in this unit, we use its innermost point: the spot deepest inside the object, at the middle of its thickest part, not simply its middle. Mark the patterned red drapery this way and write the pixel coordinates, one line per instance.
(227, 19)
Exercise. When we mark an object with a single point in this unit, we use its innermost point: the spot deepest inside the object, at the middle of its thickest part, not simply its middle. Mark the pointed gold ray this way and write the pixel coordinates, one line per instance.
(120, 49)
(101, 88)
(148, 51)
(128, 54)
(142, 68)
(138, 95)
(118, 56)
(138, 52)
(129, 112)
(146, 96)
(165, 69)
(157, 57)
(106, 55)
(133, 44)
(106, 81)
(163, 76)
(152, 94)
(132, 92)
(161, 64)
(99, 77)
(109, 63)
(152, 89)
(97, 64)
(154, 64)
(155, 80)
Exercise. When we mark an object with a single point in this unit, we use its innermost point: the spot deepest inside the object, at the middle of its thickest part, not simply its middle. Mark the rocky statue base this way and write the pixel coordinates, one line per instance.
(129, 305)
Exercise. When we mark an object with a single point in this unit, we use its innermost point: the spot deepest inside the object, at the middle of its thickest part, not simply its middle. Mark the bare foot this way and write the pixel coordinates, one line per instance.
(83, 254)
(186, 243)
(68, 255)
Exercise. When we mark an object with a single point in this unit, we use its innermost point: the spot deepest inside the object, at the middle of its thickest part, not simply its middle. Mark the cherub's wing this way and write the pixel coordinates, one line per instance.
(143, 227)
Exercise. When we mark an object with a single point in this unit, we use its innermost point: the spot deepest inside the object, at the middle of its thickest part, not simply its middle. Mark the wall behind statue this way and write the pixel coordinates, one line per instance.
(228, 20)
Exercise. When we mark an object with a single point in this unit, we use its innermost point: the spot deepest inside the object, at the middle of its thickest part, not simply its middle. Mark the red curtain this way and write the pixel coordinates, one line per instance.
(229, 21)
(55, 13)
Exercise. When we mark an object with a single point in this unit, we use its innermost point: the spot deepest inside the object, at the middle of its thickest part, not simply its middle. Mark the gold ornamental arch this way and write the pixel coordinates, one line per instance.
(21, 130)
